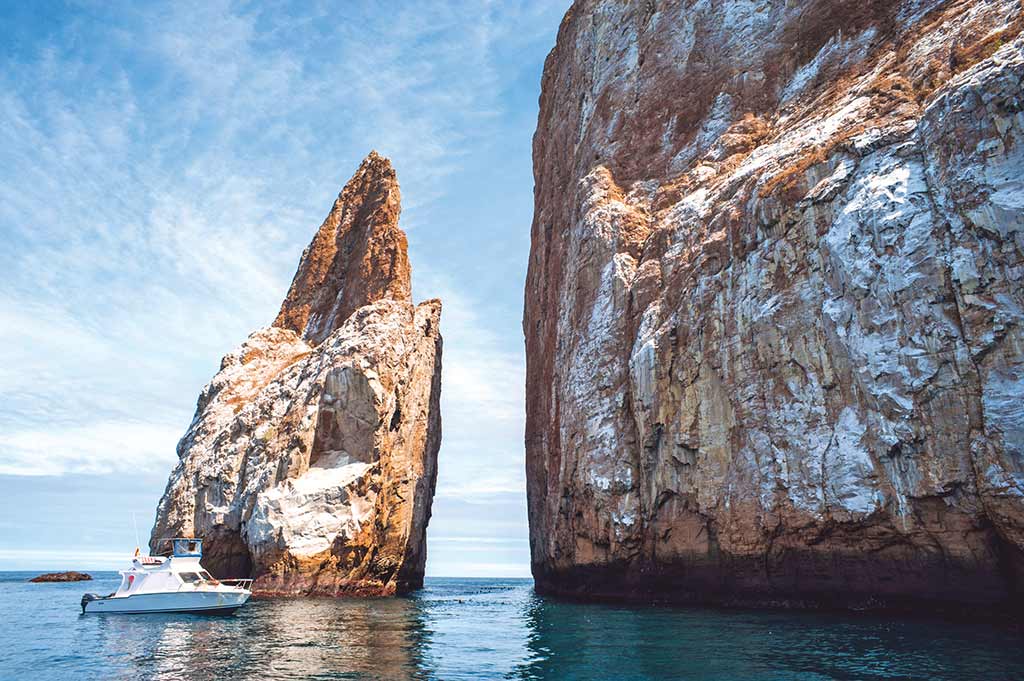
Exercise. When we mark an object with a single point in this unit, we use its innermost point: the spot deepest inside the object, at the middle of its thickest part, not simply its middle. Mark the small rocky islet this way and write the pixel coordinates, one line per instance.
(70, 576)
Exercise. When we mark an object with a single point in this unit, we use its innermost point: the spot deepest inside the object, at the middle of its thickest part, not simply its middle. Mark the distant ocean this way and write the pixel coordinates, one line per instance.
(480, 629)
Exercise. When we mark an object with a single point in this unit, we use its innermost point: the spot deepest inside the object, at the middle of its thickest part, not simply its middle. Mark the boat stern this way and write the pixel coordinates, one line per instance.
(89, 598)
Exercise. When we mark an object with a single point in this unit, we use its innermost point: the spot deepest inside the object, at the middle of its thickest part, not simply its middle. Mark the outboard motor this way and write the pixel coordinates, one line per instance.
(87, 598)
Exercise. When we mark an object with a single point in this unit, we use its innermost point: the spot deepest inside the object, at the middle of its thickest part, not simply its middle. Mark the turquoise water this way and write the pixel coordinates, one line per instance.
(480, 629)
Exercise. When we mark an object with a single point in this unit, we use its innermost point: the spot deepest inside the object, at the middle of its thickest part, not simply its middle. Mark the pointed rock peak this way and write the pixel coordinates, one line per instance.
(358, 256)
(375, 159)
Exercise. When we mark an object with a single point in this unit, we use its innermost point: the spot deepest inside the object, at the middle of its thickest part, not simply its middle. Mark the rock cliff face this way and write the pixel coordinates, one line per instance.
(774, 306)
(312, 458)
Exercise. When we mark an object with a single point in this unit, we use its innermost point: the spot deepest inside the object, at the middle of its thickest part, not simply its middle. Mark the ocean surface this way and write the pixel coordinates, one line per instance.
(480, 629)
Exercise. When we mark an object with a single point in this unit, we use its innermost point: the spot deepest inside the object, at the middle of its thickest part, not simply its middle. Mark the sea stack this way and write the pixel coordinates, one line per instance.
(312, 458)
(774, 306)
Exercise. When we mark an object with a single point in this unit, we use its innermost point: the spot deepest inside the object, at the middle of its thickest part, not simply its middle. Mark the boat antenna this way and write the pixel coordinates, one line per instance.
(136, 524)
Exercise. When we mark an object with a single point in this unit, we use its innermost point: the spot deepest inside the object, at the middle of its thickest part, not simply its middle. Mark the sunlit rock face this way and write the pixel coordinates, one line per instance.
(774, 304)
(358, 255)
(312, 458)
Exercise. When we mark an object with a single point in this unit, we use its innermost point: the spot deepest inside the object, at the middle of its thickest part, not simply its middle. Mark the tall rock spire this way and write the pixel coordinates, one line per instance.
(357, 257)
(311, 465)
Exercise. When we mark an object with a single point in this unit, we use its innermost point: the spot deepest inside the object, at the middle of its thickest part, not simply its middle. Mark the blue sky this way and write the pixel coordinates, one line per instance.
(162, 166)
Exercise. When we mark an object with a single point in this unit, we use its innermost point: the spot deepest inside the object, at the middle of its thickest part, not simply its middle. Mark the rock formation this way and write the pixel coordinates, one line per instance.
(312, 458)
(774, 306)
(70, 576)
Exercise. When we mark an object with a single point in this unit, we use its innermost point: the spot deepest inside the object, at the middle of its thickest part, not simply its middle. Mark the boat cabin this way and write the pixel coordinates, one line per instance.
(172, 581)
(178, 571)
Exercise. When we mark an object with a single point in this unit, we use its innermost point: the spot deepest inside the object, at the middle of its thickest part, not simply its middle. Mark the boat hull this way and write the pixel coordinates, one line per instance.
(199, 602)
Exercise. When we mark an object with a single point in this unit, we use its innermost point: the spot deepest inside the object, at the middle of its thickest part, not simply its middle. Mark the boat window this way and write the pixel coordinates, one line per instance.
(187, 547)
(190, 577)
(205, 575)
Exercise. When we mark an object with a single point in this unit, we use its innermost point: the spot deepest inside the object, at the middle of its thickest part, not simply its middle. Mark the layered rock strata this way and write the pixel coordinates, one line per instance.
(774, 306)
(312, 458)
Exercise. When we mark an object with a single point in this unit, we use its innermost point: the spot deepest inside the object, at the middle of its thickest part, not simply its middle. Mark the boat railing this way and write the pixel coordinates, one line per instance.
(240, 583)
(202, 585)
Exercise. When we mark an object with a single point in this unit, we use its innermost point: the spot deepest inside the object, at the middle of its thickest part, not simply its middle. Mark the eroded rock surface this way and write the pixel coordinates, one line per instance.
(774, 303)
(312, 458)
(358, 255)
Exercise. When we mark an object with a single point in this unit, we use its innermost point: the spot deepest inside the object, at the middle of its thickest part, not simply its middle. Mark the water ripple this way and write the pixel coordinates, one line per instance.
(480, 629)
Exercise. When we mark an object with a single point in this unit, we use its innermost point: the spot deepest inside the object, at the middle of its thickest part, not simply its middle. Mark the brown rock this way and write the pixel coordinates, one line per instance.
(358, 256)
(71, 576)
(312, 460)
(773, 312)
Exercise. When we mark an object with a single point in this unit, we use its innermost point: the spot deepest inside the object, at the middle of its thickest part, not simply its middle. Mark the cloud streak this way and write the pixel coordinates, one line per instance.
(163, 165)
(101, 448)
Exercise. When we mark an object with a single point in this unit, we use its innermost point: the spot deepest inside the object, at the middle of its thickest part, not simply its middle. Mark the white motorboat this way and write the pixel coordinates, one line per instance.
(174, 583)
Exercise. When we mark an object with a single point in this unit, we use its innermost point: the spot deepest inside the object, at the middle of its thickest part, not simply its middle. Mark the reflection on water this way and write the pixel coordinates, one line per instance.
(481, 629)
(274, 639)
(577, 641)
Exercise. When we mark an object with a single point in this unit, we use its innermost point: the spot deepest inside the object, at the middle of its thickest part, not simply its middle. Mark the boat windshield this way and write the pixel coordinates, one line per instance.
(186, 547)
(190, 577)
(206, 575)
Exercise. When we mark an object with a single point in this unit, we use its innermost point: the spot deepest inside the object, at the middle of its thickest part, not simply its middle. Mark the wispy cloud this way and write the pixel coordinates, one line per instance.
(163, 165)
(97, 448)
(482, 397)
(62, 559)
